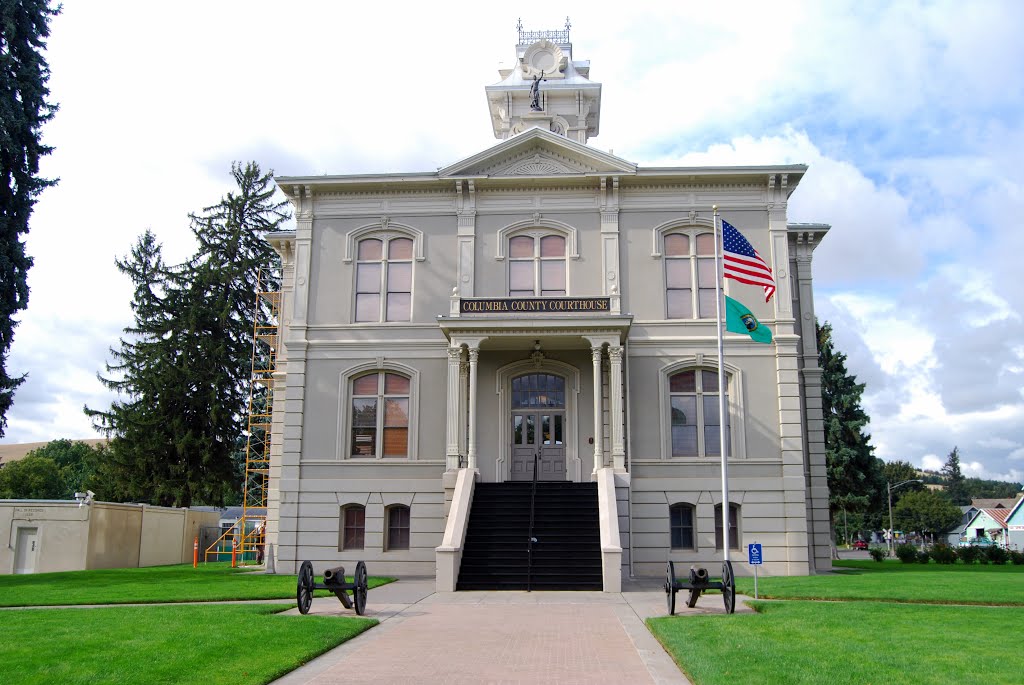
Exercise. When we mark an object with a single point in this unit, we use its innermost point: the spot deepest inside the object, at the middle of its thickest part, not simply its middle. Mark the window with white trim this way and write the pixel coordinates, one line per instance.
(689, 275)
(536, 266)
(693, 408)
(380, 415)
(383, 279)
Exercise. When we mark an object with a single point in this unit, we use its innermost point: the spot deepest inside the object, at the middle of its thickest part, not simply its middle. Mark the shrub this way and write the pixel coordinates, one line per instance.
(1017, 557)
(994, 554)
(878, 553)
(969, 554)
(906, 553)
(943, 554)
(923, 557)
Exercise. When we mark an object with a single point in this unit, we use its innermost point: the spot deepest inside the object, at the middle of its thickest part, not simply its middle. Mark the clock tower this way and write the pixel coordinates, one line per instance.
(545, 89)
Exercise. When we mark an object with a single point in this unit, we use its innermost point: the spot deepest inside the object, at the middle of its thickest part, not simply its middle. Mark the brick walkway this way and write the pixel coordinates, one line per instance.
(499, 637)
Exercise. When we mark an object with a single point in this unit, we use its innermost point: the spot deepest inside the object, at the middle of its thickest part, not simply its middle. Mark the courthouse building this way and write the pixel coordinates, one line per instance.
(542, 306)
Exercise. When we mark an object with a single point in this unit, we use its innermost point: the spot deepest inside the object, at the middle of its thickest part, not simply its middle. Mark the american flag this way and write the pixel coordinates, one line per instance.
(742, 262)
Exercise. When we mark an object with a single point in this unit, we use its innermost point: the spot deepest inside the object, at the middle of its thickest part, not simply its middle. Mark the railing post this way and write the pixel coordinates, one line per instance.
(530, 539)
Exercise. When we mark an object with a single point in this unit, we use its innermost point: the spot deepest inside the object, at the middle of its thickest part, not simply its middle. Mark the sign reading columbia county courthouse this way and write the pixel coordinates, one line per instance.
(534, 305)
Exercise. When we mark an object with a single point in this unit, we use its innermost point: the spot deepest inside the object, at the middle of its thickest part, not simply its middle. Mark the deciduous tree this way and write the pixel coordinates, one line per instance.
(925, 511)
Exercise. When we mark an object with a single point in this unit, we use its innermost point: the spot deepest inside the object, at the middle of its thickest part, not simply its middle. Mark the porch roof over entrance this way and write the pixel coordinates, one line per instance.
(512, 331)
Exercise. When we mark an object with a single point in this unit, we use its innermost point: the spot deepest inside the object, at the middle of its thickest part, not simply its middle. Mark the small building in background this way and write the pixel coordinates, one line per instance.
(44, 536)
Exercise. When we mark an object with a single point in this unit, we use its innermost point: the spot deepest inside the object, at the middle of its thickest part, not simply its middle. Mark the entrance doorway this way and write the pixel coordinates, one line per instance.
(538, 427)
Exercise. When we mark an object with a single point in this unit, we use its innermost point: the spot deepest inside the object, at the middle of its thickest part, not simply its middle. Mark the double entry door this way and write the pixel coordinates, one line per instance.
(539, 433)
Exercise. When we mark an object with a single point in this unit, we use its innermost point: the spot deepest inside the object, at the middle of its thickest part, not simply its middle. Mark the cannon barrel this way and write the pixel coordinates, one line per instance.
(698, 575)
(334, 576)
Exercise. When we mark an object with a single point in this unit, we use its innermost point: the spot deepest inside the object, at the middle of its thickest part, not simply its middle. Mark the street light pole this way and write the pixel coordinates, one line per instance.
(889, 487)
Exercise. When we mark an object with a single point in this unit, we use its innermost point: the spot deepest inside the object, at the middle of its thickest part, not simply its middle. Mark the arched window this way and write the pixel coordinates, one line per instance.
(353, 527)
(693, 405)
(398, 520)
(681, 517)
(384, 279)
(734, 529)
(380, 415)
(536, 266)
(689, 275)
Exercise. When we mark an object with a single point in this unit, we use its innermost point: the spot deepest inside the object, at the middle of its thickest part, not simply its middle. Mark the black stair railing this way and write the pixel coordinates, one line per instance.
(530, 539)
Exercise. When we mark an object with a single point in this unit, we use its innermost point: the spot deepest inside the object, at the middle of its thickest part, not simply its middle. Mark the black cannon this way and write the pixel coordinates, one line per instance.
(334, 580)
(699, 582)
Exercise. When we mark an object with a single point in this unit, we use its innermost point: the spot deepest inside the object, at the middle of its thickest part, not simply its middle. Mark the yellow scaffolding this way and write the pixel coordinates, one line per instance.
(246, 538)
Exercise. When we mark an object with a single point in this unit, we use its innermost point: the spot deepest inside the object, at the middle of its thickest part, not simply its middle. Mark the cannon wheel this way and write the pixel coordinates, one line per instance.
(360, 590)
(728, 587)
(305, 587)
(670, 588)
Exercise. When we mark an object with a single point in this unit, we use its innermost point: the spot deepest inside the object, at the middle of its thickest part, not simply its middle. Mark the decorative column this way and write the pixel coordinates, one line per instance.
(474, 354)
(595, 354)
(454, 396)
(615, 400)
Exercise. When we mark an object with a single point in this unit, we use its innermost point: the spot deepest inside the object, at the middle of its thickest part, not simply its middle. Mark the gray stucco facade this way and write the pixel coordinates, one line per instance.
(460, 238)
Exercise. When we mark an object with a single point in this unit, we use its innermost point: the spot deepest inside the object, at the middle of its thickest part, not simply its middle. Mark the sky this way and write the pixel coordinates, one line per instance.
(909, 115)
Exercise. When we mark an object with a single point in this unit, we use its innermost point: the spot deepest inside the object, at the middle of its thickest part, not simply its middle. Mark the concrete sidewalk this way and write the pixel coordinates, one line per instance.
(502, 637)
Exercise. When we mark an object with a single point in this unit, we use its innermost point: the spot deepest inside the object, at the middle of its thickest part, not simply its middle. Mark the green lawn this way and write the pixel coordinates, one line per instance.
(231, 644)
(847, 642)
(181, 583)
(898, 582)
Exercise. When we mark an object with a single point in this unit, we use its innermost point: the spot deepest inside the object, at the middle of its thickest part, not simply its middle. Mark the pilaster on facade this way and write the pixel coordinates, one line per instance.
(608, 203)
(452, 452)
(615, 390)
(465, 210)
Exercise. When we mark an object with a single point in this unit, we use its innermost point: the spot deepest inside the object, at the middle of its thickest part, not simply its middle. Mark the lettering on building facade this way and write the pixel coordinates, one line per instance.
(535, 305)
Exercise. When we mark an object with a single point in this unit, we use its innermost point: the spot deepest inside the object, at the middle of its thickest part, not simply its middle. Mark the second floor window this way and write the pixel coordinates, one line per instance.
(690, 276)
(693, 396)
(536, 266)
(384, 279)
(380, 415)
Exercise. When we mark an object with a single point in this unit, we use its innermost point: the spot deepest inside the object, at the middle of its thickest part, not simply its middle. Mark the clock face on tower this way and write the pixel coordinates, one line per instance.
(543, 57)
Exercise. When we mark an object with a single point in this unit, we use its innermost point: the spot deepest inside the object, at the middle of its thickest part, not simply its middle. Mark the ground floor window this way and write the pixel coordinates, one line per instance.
(398, 528)
(734, 533)
(353, 527)
(681, 526)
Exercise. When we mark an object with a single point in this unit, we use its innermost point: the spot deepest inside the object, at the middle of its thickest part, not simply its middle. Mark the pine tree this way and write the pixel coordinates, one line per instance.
(185, 369)
(956, 485)
(24, 27)
(139, 462)
(854, 473)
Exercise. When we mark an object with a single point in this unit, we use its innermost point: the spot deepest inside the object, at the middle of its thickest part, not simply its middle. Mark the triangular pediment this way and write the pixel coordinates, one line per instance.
(537, 152)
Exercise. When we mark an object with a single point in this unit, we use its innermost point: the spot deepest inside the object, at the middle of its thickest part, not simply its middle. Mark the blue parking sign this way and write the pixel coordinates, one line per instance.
(754, 554)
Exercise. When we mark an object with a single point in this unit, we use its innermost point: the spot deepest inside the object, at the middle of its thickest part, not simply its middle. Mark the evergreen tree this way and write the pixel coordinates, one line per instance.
(24, 27)
(185, 370)
(956, 486)
(141, 456)
(855, 478)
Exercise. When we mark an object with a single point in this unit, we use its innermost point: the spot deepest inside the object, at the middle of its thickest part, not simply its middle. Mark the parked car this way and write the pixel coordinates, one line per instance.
(860, 544)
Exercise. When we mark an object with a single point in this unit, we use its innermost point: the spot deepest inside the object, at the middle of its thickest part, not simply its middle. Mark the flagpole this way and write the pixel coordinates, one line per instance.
(719, 271)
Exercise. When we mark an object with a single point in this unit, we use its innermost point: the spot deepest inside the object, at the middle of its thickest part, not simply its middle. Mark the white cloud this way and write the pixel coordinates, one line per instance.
(902, 111)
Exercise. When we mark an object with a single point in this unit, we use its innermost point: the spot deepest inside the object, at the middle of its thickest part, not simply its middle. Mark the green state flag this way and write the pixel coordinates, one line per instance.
(738, 319)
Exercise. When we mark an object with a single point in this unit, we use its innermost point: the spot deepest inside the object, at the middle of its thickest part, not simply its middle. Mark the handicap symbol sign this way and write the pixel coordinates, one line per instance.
(754, 554)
